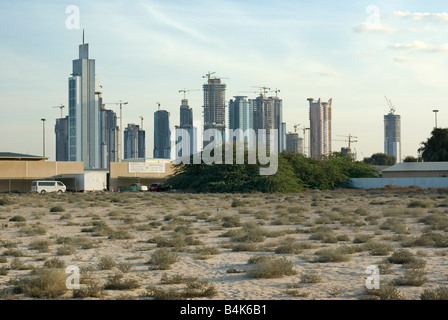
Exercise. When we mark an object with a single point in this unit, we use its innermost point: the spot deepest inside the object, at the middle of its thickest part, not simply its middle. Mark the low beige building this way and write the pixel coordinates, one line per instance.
(416, 170)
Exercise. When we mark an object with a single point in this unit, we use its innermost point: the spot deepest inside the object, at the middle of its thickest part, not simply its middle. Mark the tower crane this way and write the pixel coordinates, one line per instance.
(391, 107)
(60, 107)
(264, 89)
(350, 141)
(185, 91)
(141, 118)
(158, 105)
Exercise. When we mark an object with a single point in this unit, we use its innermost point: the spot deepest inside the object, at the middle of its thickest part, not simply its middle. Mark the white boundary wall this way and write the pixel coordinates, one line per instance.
(369, 183)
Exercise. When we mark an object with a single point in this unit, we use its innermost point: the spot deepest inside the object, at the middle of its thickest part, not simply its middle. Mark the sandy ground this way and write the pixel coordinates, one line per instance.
(284, 219)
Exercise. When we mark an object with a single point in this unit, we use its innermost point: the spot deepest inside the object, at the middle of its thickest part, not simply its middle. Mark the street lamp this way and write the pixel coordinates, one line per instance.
(435, 113)
(43, 136)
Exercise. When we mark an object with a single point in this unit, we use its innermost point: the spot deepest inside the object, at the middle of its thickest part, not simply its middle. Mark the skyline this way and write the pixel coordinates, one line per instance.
(146, 51)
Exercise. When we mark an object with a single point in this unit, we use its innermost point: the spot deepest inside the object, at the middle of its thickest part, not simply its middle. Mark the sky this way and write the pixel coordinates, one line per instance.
(354, 52)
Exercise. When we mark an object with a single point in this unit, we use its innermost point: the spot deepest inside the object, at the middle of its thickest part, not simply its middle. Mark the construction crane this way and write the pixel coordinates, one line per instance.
(158, 105)
(141, 118)
(297, 126)
(185, 91)
(391, 107)
(121, 104)
(349, 140)
(60, 107)
(264, 91)
(276, 92)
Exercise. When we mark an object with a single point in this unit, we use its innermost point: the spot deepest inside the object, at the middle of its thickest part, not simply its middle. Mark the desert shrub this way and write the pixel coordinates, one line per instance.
(435, 221)
(362, 238)
(385, 293)
(18, 219)
(16, 264)
(331, 255)
(231, 222)
(3, 260)
(176, 279)
(378, 248)
(42, 283)
(178, 241)
(57, 208)
(412, 277)
(99, 229)
(402, 256)
(54, 263)
(6, 202)
(124, 267)
(120, 235)
(40, 245)
(66, 216)
(427, 239)
(194, 289)
(418, 204)
(66, 250)
(116, 282)
(3, 272)
(310, 277)
(33, 230)
(440, 293)
(92, 290)
(249, 233)
(268, 267)
(237, 203)
(248, 247)
(14, 253)
(162, 259)
(106, 263)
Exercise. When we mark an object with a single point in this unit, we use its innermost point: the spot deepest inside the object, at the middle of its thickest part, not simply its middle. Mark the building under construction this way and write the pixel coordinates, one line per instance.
(214, 105)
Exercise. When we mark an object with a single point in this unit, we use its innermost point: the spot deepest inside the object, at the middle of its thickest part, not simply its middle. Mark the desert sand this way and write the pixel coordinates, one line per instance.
(215, 235)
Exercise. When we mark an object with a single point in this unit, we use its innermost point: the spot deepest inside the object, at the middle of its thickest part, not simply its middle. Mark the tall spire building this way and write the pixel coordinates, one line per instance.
(162, 135)
(83, 118)
(185, 145)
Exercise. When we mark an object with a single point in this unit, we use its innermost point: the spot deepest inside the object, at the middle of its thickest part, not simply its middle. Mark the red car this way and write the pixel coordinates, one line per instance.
(158, 187)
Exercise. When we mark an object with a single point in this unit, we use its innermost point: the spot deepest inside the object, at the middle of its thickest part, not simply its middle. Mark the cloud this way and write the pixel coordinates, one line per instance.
(401, 59)
(441, 17)
(328, 74)
(420, 46)
(374, 28)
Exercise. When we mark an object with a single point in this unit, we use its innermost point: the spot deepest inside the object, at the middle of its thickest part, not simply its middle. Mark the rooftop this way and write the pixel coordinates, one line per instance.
(20, 156)
(418, 166)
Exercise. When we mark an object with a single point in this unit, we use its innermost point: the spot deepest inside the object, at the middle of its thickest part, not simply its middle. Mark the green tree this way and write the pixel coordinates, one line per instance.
(436, 147)
(410, 159)
(380, 159)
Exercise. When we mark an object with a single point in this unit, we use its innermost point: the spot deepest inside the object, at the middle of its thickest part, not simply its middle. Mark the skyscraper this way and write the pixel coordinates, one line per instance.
(392, 135)
(241, 116)
(162, 135)
(185, 146)
(320, 128)
(214, 105)
(108, 137)
(134, 142)
(294, 143)
(83, 115)
(61, 131)
(263, 118)
(277, 104)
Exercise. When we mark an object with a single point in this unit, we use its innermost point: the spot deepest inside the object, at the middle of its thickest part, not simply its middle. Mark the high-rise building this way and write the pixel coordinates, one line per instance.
(134, 142)
(241, 117)
(61, 131)
(263, 118)
(214, 106)
(185, 146)
(83, 115)
(392, 135)
(162, 135)
(108, 137)
(294, 144)
(277, 104)
(320, 128)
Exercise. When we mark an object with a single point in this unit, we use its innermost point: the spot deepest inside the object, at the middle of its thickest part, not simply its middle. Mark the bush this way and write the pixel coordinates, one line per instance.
(6, 202)
(66, 250)
(54, 263)
(92, 290)
(18, 219)
(57, 209)
(417, 204)
(43, 283)
(412, 277)
(271, 267)
(120, 235)
(194, 289)
(362, 238)
(231, 222)
(378, 248)
(440, 293)
(402, 256)
(106, 263)
(40, 245)
(162, 259)
(116, 282)
(385, 293)
(310, 277)
(332, 255)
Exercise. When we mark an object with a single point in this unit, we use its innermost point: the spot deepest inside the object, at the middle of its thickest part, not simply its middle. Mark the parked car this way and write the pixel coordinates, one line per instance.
(136, 187)
(159, 187)
(48, 186)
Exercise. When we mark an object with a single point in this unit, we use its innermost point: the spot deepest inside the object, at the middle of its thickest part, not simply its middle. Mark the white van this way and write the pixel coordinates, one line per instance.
(48, 186)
